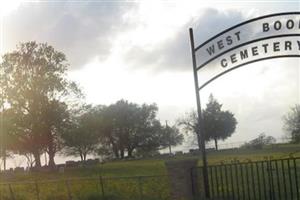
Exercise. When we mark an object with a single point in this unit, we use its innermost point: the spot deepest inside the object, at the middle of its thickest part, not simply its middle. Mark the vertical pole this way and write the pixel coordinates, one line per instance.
(68, 190)
(101, 186)
(200, 131)
(11, 192)
(140, 187)
(296, 178)
(37, 190)
(170, 148)
(45, 154)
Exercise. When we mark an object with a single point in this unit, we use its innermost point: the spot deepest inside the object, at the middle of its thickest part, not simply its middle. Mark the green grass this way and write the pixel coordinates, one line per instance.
(53, 185)
(156, 166)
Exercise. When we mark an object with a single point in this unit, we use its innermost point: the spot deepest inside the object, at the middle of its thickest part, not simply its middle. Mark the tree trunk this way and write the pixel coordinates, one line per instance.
(51, 154)
(45, 156)
(199, 141)
(37, 159)
(84, 157)
(130, 150)
(170, 150)
(51, 162)
(122, 153)
(51, 149)
(4, 160)
(216, 143)
(116, 152)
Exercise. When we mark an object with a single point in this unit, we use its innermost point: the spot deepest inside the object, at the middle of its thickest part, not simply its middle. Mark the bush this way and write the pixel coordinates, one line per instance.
(259, 142)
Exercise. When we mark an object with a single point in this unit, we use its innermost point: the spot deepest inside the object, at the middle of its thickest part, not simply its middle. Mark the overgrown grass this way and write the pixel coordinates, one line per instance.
(156, 166)
(72, 184)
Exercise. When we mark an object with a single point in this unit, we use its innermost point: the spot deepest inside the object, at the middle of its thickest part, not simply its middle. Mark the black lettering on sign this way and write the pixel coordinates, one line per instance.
(277, 25)
(244, 54)
(238, 35)
(276, 46)
(222, 43)
(233, 58)
(266, 27)
(224, 63)
(229, 40)
(211, 50)
(288, 45)
(254, 51)
(290, 24)
(265, 47)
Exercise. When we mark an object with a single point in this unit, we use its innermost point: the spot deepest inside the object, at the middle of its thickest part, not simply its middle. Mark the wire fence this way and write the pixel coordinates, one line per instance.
(233, 145)
(223, 145)
(97, 188)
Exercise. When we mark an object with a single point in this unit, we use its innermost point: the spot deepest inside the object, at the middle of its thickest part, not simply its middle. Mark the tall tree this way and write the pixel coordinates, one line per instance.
(36, 88)
(5, 118)
(292, 123)
(217, 124)
(7, 128)
(56, 119)
(82, 137)
(189, 123)
(171, 136)
(129, 126)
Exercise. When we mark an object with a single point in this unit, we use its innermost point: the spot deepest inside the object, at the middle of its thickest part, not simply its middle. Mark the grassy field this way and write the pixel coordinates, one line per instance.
(156, 166)
(120, 179)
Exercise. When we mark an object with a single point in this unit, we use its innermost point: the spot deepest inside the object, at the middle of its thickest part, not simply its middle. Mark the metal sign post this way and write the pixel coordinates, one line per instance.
(267, 37)
(200, 131)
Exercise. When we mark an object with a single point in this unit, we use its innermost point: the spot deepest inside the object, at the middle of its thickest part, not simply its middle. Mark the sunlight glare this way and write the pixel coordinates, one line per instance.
(7, 6)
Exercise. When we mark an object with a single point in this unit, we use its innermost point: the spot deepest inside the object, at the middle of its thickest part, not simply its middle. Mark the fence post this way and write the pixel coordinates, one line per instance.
(140, 187)
(37, 190)
(179, 172)
(11, 192)
(101, 186)
(270, 178)
(68, 190)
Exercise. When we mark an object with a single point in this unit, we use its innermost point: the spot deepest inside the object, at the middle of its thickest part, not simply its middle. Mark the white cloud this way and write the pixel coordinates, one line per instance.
(140, 51)
(82, 30)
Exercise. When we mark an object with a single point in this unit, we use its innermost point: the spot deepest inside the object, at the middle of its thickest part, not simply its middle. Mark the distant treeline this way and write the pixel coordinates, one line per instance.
(44, 112)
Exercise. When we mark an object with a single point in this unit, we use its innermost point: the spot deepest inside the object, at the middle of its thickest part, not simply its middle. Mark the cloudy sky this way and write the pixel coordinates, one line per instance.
(140, 51)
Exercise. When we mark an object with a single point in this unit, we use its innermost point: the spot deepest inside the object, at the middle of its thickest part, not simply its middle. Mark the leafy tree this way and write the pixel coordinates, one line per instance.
(292, 123)
(218, 124)
(160, 137)
(82, 137)
(129, 126)
(56, 119)
(171, 137)
(189, 124)
(7, 128)
(35, 75)
(150, 141)
(260, 141)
